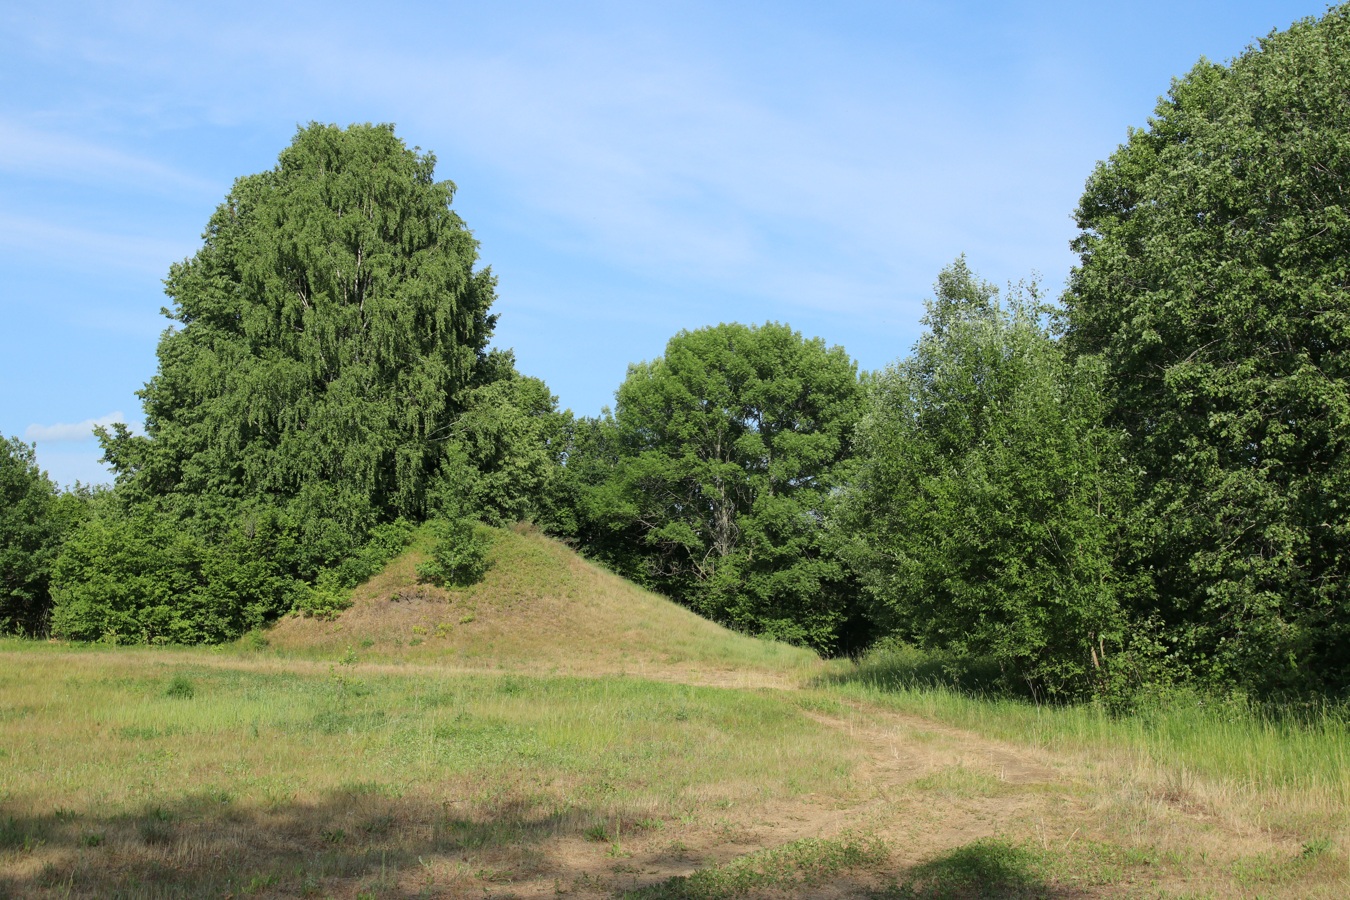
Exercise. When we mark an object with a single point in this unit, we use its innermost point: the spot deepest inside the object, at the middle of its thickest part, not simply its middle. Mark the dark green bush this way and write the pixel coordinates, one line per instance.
(34, 519)
(460, 555)
(152, 577)
(180, 688)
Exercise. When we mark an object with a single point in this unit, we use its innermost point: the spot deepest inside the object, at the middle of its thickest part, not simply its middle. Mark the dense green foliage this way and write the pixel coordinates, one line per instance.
(982, 506)
(504, 452)
(141, 578)
(459, 557)
(33, 521)
(1214, 286)
(711, 478)
(324, 334)
(327, 337)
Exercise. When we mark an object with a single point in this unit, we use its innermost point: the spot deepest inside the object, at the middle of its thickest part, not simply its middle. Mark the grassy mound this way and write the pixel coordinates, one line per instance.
(540, 608)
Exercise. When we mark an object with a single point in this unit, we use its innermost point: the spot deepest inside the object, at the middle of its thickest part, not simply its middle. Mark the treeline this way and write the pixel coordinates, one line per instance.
(1143, 484)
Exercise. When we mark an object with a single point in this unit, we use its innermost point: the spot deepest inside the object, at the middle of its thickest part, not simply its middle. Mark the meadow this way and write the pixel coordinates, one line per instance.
(556, 731)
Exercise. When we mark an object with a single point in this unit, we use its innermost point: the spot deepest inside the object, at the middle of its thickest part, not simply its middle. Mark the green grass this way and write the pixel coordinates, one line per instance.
(556, 725)
(993, 868)
(959, 782)
(1004, 867)
(861, 865)
(400, 727)
(1292, 771)
(115, 773)
(792, 868)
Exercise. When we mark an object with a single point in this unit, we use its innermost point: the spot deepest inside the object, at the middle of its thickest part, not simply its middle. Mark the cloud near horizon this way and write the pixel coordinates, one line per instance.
(67, 433)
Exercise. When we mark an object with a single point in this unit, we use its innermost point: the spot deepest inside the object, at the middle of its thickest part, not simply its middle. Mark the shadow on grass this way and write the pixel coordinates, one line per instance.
(985, 869)
(356, 841)
(363, 842)
(856, 867)
(795, 869)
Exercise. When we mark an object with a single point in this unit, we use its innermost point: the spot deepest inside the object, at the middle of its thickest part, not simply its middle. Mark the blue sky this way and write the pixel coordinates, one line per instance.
(629, 169)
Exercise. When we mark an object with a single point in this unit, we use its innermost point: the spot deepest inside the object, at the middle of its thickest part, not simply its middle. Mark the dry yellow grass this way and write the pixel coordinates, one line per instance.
(1285, 778)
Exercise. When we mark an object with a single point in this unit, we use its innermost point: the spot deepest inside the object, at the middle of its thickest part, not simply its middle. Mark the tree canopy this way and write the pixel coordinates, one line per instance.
(981, 505)
(711, 478)
(325, 340)
(505, 451)
(1214, 285)
(323, 336)
(30, 534)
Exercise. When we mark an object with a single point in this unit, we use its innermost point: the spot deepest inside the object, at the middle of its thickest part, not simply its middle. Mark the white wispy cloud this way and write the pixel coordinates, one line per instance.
(29, 151)
(665, 162)
(646, 148)
(63, 432)
(80, 247)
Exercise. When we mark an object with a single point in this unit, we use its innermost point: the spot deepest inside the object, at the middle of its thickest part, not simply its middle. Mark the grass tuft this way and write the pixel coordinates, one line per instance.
(180, 688)
(986, 868)
(156, 826)
(16, 835)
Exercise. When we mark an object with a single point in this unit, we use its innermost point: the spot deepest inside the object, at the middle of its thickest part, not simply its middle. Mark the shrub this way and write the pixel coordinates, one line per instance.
(459, 556)
(324, 599)
(31, 530)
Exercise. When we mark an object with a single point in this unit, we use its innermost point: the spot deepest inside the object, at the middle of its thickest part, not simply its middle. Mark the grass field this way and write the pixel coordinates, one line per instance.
(1282, 772)
(556, 731)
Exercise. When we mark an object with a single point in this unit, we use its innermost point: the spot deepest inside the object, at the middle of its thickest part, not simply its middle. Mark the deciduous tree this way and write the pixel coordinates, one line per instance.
(322, 337)
(982, 506)
(712, 477)
(30, 535)
(1214, 285)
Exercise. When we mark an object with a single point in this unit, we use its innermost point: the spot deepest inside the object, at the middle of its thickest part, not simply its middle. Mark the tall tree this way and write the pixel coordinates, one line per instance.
(712, 477)
(980, 513)
(1214, 284)
(323, 335)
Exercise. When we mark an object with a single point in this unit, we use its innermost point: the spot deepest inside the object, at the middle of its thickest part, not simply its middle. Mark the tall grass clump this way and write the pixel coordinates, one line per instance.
(180, 687)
